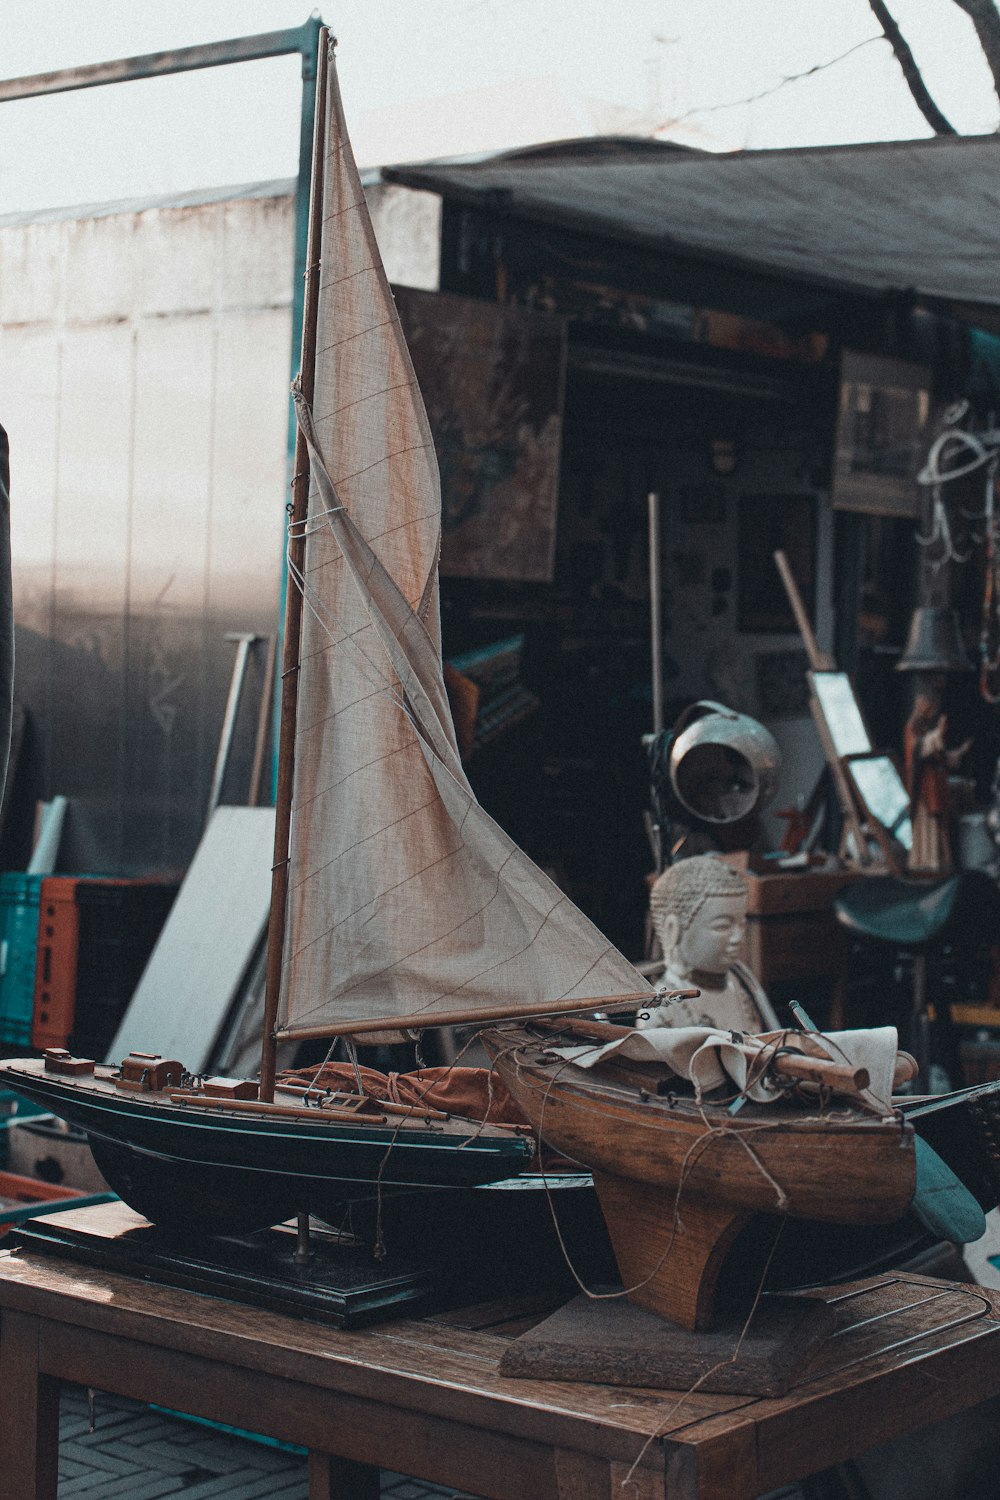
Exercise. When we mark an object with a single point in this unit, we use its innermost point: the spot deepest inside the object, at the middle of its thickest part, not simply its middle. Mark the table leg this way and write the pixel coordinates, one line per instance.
(333, 1478)
(29, 1432)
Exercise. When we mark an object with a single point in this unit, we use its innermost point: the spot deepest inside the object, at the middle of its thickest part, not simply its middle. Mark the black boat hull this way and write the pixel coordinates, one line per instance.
(189, 1165)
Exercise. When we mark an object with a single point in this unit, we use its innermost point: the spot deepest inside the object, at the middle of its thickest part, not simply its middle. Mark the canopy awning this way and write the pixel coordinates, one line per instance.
(921, 216)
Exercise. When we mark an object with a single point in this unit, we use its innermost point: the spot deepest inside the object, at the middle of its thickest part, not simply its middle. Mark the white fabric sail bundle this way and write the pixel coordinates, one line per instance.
(713, 1059)
(405, 898)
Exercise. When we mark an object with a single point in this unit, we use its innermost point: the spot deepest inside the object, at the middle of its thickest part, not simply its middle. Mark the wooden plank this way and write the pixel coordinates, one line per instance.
(209, 939)
(720, 1467)
(580, 1477)
(870, 1387)
(29, 1430)
(366, 1432)
(332, 1478)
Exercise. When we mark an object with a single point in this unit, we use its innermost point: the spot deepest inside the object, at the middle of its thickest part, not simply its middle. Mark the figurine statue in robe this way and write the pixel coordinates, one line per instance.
(698, 907)
(928, 767)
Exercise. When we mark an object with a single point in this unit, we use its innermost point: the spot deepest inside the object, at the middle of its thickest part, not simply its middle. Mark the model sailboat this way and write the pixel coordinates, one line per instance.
(398, 903)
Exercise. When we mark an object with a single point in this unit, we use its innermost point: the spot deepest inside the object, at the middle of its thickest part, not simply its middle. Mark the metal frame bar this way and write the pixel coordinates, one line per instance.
(155, 64)
(303, 39)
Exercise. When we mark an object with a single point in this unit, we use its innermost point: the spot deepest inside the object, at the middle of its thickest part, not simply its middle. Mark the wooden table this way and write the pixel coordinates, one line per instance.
(423, 1396)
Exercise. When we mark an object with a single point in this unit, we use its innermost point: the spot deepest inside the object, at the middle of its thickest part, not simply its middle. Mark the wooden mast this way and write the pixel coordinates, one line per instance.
(293, 597)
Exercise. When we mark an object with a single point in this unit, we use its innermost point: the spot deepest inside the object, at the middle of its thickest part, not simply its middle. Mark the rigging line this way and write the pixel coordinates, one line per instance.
(690, 1160)
(338, 638)
(661, 1427)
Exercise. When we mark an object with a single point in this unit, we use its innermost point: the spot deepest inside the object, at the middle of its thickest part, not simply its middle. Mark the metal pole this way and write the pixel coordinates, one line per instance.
(157, 64)
(656, 609)
(303, 1244)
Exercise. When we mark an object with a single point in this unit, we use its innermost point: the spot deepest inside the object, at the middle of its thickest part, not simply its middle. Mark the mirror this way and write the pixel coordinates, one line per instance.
(883, 794)
(840, 710)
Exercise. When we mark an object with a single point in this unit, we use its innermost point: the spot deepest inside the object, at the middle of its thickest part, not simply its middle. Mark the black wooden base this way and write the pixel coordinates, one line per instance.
(338, 1284)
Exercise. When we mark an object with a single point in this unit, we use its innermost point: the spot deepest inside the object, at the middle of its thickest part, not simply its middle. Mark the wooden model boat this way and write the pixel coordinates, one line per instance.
(678, 1177)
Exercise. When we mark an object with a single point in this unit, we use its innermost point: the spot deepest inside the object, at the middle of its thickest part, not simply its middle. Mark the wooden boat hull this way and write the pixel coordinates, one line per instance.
(843, 1166)
(205, 1167)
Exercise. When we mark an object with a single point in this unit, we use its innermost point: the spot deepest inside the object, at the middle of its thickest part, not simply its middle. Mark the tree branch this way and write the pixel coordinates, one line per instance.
(986, 19)
(905, 58)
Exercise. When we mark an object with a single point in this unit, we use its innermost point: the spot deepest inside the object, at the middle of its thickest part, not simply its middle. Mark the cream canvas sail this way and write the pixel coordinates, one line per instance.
(405, 898)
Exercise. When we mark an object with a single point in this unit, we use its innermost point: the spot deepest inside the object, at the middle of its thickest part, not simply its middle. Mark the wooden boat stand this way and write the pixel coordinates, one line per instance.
(670, 1261)
(425, 1396)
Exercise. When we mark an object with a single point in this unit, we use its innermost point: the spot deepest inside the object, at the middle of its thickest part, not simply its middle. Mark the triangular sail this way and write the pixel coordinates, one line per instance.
(404, 897)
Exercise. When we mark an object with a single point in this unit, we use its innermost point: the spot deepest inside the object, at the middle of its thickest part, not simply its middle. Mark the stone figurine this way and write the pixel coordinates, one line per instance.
(698, 908)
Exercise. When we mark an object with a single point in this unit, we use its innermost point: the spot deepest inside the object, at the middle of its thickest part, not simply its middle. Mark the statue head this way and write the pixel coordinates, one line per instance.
(698, 907)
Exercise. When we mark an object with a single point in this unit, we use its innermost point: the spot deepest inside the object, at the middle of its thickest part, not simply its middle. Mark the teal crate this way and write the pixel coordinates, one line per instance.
(12, 1104)
(18, 946)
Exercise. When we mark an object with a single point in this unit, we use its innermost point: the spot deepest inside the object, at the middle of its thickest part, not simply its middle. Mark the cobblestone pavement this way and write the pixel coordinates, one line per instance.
(139, 1453)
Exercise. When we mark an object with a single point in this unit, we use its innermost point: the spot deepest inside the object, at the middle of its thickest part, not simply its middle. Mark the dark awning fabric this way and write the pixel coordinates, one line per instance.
(917, 216)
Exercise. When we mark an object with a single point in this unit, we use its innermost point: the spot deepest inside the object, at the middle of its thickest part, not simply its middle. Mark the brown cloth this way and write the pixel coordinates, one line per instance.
(458, 1091)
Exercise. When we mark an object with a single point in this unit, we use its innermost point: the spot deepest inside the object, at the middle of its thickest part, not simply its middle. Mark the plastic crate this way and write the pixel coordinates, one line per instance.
(19, 895)
(95, 936)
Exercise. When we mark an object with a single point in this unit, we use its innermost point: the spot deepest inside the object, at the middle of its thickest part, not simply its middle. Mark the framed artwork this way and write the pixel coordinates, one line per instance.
(492, 381)
(768, 523)
(882, 422)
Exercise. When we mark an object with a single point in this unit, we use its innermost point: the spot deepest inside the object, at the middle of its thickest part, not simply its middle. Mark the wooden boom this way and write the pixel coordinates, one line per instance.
(468, 1017)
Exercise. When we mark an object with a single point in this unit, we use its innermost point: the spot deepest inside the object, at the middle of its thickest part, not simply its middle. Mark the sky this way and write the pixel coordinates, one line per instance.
(450, 77)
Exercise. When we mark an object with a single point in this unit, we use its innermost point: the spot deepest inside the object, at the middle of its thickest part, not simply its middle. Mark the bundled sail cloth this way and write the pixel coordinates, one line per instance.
(713, 1059)
(405, 898)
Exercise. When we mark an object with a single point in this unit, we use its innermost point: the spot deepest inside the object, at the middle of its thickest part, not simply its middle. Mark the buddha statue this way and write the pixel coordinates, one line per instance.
(698, 908)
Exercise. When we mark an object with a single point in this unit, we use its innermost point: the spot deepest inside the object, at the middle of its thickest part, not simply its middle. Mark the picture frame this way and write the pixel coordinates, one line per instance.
(882, 419)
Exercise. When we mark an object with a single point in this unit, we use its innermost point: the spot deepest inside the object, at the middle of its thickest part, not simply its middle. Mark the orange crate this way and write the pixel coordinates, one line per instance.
(95, 934)
(55, 968)
(17, 1193)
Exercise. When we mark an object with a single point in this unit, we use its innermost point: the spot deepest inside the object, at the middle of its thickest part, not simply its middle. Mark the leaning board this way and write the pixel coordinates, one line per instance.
(214, 927)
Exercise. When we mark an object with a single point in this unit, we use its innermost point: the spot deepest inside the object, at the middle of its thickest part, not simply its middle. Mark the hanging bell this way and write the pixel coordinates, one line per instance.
(934, 643)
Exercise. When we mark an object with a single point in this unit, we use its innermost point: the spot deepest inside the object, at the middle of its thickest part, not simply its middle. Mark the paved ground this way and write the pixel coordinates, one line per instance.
(138, 1453)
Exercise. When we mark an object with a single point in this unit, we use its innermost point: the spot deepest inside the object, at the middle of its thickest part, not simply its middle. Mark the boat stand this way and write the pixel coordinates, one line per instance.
(614, 1342)
(304, 1270)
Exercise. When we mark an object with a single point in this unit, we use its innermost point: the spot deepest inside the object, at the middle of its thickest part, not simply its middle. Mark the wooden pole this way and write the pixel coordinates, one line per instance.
(293, 602)
(822, 661)
(819, 661)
